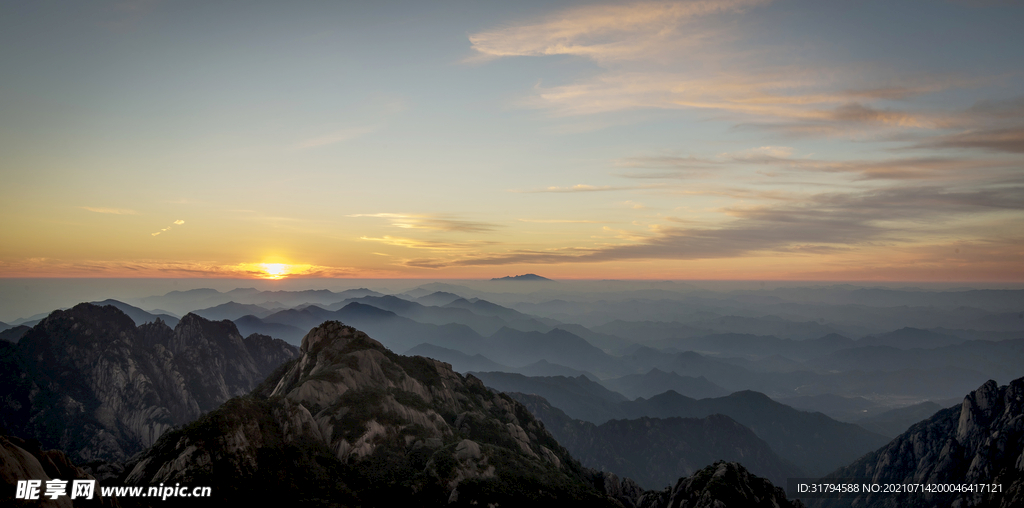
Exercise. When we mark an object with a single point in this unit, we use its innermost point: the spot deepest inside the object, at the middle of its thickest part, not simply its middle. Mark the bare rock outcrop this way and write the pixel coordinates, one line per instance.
(382, 427)
(976, 447)
(89, 382)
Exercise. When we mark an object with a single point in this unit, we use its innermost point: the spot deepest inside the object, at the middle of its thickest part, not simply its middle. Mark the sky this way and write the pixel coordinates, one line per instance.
(727, 140)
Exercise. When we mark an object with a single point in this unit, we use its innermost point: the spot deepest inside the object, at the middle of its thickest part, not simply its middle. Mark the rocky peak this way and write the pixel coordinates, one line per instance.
(724, 485)
(89, 382)
(981, 441)
(978, 410)
(719, 485)
(388, 426)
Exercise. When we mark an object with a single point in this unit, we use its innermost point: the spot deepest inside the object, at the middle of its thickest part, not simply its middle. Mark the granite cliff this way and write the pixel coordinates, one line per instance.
(89, 382)
(981, 441)
(351, 423)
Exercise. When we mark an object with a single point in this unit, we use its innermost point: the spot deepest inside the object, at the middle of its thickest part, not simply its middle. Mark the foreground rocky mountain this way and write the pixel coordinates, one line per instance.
(350, 423)
(980, 442)
(656, 452)
(89, 382)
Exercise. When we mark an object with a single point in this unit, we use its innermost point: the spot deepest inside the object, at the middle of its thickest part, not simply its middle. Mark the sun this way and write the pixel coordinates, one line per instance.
(276, 270)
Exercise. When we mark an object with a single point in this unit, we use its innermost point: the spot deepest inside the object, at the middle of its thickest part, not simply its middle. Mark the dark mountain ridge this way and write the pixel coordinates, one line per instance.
(813, 442)
(981, 441)
(657, 451)
(89, 382)
(383, 429)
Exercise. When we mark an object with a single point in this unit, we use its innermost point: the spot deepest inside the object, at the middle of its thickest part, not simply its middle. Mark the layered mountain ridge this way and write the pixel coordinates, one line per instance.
(656, 452)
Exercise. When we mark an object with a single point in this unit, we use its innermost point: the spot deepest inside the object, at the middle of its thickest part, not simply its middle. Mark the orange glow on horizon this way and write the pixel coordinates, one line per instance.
(275, 270)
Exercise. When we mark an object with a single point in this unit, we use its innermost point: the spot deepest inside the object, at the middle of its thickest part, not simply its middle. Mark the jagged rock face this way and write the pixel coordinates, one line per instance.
(655, 452)
(350, 422)
(979, 442)
(91, 383)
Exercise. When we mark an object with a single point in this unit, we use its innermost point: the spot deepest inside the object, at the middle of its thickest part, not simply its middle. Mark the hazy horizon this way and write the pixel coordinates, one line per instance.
(21, 298)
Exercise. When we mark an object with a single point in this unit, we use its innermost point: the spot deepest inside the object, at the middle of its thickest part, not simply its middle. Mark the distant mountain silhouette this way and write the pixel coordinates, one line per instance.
(657, 451)
(232, 311)
(896, 421)
(813, 442)
(658, 381)
(252, 324)
(524, 277)
(438, 298)
(14, 333)
(138, 315)
(460, 362)
(846, 409)
(578, 396)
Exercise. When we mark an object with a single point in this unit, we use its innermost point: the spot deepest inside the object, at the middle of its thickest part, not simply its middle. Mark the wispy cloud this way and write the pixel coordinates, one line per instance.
(115, 211)
(609, 32)
(1007, 139)
(816, 224)
(561, 221)
(586, 188)
(413, 243)
(432, 222)
(793, 96)
(175, 223)
(933, 168)
(681, 55)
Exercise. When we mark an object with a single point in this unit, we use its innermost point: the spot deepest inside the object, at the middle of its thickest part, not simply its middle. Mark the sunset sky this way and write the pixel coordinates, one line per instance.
(733, 139)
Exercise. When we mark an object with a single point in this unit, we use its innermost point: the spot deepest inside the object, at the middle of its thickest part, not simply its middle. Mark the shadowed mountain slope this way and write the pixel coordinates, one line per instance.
(89, 382)
(657, 381)
(657, 451)
(981, 441)
(813, 442)
(353, 423)
(896, 421)
(138, 315)
(578, 396)
(232, 311)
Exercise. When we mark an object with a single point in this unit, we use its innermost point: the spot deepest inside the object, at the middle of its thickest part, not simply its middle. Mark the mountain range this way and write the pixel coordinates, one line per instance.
(655, 452)
(103, 382)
